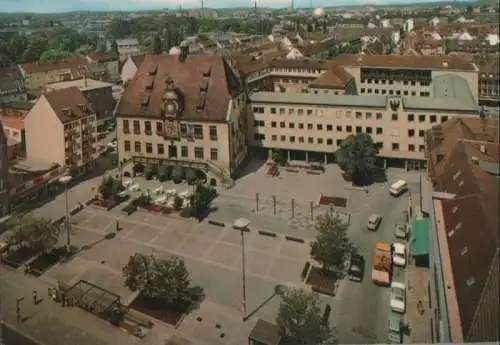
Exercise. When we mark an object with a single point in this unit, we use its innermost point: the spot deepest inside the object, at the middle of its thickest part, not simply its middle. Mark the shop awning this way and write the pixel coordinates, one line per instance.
(420, 237)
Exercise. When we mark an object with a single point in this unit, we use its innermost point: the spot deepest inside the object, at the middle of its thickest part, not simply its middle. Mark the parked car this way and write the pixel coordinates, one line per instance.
(394, 334)
(374, 221)
(356, 268)
(401, 231)
(398, 297)
(399, 254)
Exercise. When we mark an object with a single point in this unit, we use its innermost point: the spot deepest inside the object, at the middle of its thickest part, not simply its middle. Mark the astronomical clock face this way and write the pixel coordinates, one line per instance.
(170, 108)
(172, 129)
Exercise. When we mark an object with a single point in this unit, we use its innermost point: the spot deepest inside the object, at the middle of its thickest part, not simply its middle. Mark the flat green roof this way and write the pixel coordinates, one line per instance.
(420, 237)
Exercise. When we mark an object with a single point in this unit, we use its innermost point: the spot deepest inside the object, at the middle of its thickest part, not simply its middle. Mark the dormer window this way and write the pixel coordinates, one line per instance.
(470, 281)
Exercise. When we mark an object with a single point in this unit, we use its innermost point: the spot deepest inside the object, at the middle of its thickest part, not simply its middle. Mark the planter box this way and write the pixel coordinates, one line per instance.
(104, 204)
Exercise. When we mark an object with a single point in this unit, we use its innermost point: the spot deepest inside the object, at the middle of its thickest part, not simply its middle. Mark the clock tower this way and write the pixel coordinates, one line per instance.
(170, 111)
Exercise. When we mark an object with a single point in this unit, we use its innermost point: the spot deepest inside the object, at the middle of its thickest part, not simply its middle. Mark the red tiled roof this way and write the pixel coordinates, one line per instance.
(143, 95)
(472, 218)
(69, 104)
(46, 66)
(336, 77)
(103, 56)
(402, 61)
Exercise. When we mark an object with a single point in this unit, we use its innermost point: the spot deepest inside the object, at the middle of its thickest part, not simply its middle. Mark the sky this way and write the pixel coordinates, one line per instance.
(49, 6)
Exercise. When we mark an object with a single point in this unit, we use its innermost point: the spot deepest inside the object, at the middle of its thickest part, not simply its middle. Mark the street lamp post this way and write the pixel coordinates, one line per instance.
(242, 224)
(65, 180)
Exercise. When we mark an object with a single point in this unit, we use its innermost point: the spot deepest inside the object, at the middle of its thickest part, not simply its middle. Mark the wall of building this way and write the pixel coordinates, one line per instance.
(237, 128)
(44, 134)
(128, 70)
(322, 128)
(186, 147)
(102, 102)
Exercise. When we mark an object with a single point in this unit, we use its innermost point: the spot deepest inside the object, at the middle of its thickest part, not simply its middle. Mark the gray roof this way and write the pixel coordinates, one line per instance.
(319, 99)
(265, 333)
(451, 93)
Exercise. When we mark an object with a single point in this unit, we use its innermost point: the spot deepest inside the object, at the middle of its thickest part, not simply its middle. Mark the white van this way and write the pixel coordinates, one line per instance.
(398, 188)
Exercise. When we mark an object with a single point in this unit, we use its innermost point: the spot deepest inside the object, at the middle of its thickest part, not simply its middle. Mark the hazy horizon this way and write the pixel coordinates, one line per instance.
(57, 6)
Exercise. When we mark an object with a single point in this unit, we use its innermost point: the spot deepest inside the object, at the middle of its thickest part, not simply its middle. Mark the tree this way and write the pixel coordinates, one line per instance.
(278, 157)
(114, 47)
(37, 233)
(331, 245)
(157, 45)
(357, 157)
(110, 188)
(162, 280)
(53, 54)
(299, 319)
(202, 199)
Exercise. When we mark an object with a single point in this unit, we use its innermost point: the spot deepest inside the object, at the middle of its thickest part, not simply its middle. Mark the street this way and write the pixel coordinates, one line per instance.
(363, 307)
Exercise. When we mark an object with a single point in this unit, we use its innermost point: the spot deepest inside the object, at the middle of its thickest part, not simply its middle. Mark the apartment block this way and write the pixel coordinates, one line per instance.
(61, 128)
(182, 110)
(311, 127)
(98, 93)
(109, 61)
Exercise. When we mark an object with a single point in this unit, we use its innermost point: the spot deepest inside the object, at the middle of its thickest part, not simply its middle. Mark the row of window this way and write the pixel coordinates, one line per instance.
(348, 114)
(186, 130)
(199, 152)
(394, 92)
(75, 124)
(328, 141)
(391, 82)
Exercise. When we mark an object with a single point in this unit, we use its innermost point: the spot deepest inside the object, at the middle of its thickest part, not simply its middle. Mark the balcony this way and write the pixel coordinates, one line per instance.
(126, 130)
(148, 131)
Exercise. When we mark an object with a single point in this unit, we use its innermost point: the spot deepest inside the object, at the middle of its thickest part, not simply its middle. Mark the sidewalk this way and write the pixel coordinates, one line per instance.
(418, 318)
(52, 324)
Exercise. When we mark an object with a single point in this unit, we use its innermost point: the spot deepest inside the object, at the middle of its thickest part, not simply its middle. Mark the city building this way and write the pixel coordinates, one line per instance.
(127, 47)
(109, 61)
(311, 127)
(61, 129)
(130, 67)
(4, 175)
(405, 75)
(98, 93)
(12, 117)
(464, 171)
(11, 86)
(38, 74)
(489, 82)
(184, 110)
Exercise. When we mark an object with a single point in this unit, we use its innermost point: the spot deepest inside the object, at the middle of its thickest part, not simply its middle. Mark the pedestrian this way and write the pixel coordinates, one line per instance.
(35, 297)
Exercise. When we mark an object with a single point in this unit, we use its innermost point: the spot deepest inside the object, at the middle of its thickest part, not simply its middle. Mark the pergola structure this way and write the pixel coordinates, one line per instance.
(96, 300)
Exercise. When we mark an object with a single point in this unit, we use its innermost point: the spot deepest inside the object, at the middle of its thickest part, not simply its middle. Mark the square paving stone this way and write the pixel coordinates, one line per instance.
(225, 254)
(195, 246)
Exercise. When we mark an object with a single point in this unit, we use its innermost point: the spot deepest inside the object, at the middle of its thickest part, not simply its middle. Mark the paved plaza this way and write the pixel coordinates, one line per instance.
(213, 254)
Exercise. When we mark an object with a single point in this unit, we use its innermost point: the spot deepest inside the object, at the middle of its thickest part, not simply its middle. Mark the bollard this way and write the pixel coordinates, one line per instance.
(293, 207)
(312, 210)
(274, 204)
(256, 202)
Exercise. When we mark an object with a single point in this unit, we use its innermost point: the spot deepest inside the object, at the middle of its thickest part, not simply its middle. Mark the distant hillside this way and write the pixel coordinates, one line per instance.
(486, 2)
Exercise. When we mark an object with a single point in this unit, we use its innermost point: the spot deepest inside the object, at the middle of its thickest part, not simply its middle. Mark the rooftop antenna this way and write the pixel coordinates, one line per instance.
(202, 9)
(255, 6)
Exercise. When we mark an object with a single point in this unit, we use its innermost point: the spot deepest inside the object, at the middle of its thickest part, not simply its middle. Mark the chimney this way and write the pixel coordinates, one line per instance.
(82, 107)
(66, 111)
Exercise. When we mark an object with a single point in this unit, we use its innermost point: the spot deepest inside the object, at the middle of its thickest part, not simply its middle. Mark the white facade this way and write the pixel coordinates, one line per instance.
(128, 70)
